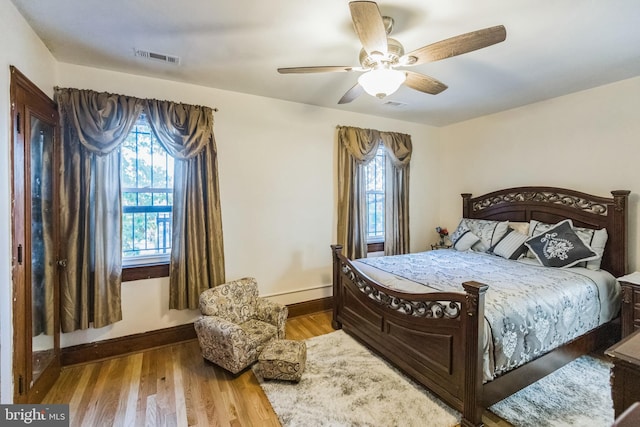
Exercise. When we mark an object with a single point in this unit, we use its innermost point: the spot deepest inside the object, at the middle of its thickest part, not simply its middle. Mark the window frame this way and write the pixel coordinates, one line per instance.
(376, 243)
(145, 266)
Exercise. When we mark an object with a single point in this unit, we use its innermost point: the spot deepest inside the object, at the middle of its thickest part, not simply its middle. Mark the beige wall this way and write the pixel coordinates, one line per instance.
(20, 47)
(588, 141)
(278, 192)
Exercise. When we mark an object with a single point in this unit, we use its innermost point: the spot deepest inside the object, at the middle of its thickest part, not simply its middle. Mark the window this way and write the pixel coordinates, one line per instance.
(146, 177)
(375, 184)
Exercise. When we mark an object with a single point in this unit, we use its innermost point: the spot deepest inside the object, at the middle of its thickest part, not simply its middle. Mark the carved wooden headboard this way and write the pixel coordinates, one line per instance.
(551, 204)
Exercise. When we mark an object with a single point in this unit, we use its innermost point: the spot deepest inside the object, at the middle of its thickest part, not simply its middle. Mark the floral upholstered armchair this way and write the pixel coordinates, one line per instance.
(236, 324)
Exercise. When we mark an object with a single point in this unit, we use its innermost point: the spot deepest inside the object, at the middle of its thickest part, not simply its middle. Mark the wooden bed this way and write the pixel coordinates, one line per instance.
(443, 352)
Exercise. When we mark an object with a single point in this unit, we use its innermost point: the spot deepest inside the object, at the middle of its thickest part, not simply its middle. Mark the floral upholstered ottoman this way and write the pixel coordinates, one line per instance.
(283, 360)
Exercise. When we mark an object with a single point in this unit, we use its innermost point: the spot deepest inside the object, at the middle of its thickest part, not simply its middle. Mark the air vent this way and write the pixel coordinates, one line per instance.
(395, 104)
(157, 56)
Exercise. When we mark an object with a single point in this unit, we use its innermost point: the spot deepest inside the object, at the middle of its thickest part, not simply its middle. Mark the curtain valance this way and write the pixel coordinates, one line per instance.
(363, 143)
(101, 121)
(184, 130)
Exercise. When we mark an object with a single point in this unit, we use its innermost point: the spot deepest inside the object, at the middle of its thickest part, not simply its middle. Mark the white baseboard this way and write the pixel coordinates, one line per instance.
(301, 295)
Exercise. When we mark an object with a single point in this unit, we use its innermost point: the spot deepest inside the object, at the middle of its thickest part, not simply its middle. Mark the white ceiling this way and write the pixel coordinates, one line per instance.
(553, 47)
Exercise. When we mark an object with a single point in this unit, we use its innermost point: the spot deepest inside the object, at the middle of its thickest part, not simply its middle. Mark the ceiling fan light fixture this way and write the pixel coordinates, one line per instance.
(381, 54)
(381, 82)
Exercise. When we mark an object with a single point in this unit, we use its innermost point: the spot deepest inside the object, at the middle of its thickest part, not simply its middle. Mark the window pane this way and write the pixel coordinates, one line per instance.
(161, 164)
(128, 199)
(143, 157)
(160, 199)
(147, 194)
(375, 183)
(144, 199)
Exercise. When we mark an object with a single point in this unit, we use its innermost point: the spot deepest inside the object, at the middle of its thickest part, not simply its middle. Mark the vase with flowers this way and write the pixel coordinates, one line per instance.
(442, 232)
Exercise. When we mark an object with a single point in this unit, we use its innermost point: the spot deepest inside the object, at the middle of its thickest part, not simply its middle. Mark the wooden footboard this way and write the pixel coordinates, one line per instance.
(435, 338)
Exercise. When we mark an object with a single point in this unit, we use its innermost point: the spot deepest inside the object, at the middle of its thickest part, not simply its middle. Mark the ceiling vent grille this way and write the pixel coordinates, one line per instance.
(395, 104)
(157, 56)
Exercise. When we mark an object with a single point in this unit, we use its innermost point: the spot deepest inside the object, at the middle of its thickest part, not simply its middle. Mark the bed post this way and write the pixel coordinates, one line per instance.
(618, 230)
(336, 250)
(466, 204)
(474, 337)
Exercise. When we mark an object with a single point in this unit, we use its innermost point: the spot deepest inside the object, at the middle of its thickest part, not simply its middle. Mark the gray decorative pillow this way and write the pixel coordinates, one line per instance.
(511, 246)
(462, 239)
(560, 246)
(536, 228)
(595, 239)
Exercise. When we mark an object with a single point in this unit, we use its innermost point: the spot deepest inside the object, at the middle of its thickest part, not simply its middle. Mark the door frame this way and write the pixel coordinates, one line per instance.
(28, 100)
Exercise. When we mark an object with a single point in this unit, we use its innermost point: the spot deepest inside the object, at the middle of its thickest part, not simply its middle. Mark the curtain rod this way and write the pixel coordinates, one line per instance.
(214, 109)
(376, 130)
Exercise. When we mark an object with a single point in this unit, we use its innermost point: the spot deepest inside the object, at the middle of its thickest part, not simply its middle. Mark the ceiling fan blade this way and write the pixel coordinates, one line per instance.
(424, 83)
(351, 94)
(321, 69)
(456, 45)
(369, 26)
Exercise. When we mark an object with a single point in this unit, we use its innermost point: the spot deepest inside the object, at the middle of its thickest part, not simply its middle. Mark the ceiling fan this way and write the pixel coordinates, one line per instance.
(381, 56)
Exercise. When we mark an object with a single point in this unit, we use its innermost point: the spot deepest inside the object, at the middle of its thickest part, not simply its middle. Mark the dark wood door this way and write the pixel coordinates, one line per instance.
(36, 325)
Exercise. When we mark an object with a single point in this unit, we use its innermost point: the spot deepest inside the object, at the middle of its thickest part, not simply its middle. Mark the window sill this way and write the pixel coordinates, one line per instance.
(375, 247)
(146, 271)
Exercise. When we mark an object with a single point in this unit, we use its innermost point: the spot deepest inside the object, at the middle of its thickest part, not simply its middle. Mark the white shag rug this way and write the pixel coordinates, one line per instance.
(345, 384)
(578, 394)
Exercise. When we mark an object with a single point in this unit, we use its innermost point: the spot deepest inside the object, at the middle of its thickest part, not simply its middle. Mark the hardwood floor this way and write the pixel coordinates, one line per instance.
(174, 386)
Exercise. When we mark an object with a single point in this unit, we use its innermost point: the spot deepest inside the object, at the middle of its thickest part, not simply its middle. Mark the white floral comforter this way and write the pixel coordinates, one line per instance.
(529, 309)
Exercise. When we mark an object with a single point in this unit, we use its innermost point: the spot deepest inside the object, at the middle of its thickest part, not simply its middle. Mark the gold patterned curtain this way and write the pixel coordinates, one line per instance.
(356, 148)
(197, 253)
(398, 155)
(93, 126)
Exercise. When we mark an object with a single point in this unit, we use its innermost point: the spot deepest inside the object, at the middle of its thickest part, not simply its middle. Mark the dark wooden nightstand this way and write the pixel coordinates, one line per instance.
(625, 374)
(630, 311)
(439, 246)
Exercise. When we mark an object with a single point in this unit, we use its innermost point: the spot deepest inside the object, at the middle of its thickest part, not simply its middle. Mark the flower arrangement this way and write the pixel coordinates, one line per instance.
(443, 232)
